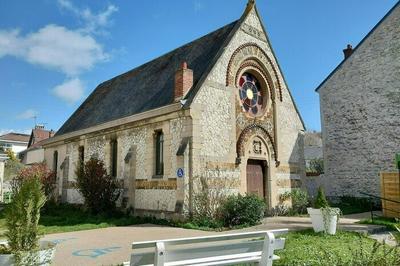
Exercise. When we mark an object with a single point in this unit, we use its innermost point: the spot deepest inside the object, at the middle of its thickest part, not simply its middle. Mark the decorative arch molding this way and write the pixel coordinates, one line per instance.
(253, 63)
(247, 51)
(250, 131)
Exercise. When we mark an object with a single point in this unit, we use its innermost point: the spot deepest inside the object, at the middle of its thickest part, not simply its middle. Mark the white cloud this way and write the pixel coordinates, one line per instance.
(70, 91)
(55, 47)
(27, 114)
(93, 21)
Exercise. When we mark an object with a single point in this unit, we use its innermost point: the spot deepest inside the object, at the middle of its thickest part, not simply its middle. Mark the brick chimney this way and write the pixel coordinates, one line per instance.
(183, 81)
(348, 51)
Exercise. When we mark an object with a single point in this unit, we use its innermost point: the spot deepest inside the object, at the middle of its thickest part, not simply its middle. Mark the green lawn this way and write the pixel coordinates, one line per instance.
(66, 218)
(390, 223)
(344, 248)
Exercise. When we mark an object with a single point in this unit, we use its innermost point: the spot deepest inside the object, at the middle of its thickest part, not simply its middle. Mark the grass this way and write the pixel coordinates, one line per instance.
(67, 218)
(350, 205)
(390, 223)
(309, 248)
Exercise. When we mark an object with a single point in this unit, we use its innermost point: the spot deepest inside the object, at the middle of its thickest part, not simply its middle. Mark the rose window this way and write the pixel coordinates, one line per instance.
(250, 93)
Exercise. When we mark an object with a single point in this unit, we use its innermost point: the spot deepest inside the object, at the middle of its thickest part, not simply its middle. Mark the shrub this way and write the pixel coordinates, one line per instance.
(242, 210)
(299, 200)
(316, 166)
(320, 201)
(99, 190)
(22, 217)
(37, 171)
(209, 195)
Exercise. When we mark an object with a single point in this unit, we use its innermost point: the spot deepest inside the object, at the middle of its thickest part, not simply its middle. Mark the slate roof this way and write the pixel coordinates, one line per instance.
(39, 134)
(15, 137)
(148, 86)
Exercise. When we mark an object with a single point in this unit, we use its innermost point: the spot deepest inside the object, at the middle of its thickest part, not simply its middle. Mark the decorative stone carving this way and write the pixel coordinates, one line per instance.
(257, 147)
(260, 131)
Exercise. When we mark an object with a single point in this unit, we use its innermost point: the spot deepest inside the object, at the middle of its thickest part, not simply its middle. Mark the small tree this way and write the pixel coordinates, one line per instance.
(39, 171)
(320, 201)
(22, 218)
(99, 190)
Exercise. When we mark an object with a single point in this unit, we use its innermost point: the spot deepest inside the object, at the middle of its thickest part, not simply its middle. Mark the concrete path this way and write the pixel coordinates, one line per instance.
(111, 246)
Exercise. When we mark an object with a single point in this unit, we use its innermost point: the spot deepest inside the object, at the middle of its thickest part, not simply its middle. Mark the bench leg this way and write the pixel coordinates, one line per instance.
(268, 250)
(159, 254)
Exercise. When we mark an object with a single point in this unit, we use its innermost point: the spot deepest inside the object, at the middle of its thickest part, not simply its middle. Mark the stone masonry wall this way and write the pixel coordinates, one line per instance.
(360, 113)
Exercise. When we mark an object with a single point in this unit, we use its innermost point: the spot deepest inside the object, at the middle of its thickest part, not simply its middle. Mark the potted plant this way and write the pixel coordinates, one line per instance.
(323, 217)
(22, 216)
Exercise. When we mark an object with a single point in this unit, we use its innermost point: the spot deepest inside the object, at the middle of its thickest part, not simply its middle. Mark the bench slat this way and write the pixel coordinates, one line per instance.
(210, 250)
(203, 252)
(192, 240)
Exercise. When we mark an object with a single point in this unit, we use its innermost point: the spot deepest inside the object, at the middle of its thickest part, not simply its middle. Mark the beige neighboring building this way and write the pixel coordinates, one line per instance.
(35, 152)
(16, 142)
(216, 108)
(360, 112)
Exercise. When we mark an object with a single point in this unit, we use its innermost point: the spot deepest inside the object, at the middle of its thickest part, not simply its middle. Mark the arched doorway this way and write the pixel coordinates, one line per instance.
(256, 177)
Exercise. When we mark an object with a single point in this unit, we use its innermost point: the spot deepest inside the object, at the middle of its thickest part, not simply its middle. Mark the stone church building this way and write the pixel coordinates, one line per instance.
(217, 108)
(360, 112)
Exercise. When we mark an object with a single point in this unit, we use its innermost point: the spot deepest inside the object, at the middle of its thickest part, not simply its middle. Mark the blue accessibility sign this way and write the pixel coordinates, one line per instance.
(94, 252)
(180, 172)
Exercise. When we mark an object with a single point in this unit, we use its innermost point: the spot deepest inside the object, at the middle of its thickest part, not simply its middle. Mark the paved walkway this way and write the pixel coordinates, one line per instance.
(111, 246)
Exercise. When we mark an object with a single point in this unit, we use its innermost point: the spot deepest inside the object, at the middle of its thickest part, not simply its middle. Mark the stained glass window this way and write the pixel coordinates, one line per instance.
(250, 94)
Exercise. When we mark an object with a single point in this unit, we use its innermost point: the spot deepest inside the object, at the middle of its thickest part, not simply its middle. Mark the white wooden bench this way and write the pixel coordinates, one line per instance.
(230, 249)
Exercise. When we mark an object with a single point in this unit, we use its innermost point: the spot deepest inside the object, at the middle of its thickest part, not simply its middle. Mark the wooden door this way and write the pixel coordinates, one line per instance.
(255, 178)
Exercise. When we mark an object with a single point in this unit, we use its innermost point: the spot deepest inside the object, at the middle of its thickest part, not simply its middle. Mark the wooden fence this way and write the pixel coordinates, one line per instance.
(390, 189)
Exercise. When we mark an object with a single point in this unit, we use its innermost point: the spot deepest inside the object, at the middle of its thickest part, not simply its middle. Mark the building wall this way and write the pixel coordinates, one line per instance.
(360, 113)
(141, 189)
(218, 122)
(33, 156)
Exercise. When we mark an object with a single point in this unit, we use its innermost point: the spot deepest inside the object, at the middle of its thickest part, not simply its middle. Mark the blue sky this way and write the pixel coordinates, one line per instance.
(53, 53)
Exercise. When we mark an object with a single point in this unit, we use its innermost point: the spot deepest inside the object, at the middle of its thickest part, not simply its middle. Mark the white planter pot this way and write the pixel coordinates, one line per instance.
(45, 255)
(318, 223)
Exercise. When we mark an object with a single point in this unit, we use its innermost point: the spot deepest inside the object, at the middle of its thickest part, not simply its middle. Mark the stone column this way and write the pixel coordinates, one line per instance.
(1, 181)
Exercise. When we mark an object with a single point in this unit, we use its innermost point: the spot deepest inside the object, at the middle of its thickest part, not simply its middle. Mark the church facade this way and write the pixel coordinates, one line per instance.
(215, 109)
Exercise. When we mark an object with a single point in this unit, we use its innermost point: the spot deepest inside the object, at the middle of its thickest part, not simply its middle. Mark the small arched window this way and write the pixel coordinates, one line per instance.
(159, 156)
(55, 163)
(114, 157)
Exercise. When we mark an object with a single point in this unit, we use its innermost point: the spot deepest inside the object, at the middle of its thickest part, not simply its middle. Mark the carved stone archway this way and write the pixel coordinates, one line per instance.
(251, 53)
(247, 133)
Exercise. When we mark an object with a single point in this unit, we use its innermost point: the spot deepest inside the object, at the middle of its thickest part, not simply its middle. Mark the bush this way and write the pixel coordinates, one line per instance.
(242, 210)
(299, 200)
(22, 217)
(316, 166)
(99, 190)
(320, 201)
(37, 171)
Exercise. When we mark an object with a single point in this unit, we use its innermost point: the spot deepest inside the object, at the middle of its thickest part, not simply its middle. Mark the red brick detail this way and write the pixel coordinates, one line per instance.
(230, 75)
(255, 65)
(183, 81)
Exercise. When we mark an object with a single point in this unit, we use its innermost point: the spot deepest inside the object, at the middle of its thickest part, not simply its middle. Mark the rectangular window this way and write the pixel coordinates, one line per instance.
(81, 155)
(55, 163)
(159, 156)
(114, 157)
